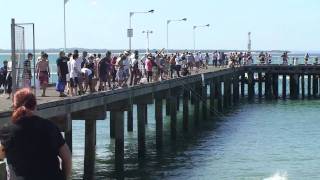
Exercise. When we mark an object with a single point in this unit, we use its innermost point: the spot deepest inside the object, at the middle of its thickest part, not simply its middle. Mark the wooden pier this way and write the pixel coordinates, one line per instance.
(225, 88)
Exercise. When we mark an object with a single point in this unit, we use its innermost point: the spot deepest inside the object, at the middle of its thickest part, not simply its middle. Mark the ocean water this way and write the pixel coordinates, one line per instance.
(275, 140)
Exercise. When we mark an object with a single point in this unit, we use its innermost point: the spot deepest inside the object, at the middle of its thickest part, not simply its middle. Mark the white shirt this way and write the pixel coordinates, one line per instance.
(69, 70)
(126, 64)
(73, 69)
(86, 71)
(196, 58)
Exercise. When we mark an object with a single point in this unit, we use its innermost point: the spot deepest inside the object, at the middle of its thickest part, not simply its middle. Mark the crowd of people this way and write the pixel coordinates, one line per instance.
(79, 73)
(96, 72)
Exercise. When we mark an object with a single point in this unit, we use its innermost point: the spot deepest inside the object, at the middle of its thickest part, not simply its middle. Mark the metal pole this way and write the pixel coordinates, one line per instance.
(13, 56)
(167, 37)
(194, 40)
(64, 25)
(34, 60)
(130, 28)
(148, 40)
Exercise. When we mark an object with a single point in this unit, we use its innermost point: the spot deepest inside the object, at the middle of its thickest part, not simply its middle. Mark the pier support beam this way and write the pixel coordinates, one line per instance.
(268, 85)
(68, 131)
(250, 85)
(315, 86)
(235, 86)
(204, 101)
(173, 116)
(142, 105)
(112, 125)
(242, 84)
(185, 117)
(130, 118)
(119, 140)
(90, 149)
(195, 95)
(275, 86)
(159, 121)
(141, 115)
(219, 94)
(284, 86)
(260, 85)
(292, 86)
(168, 105)
(90, 116)
(117, 130)
(146, 115)
(226, 92)
(309, 86)
(212, 97)
(302, 86)
(178, 103)
(297, 85)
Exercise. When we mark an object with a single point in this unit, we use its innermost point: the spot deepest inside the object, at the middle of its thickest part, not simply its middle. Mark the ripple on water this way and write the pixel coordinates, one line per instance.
(272, 141)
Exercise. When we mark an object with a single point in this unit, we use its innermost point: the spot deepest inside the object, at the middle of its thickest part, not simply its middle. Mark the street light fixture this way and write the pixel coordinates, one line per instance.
(194, 35)
(168, 22)
(130, 30)
(147, 32)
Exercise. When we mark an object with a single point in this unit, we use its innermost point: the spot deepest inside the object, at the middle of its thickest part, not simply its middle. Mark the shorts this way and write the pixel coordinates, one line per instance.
(80, 80)
(63, 78)
(2, 82)
(43, 78)
(120, 75)
(126, 74)
(74, 82)
(9, 84)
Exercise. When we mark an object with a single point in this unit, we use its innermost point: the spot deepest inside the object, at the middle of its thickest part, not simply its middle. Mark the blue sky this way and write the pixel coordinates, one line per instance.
(275, 24)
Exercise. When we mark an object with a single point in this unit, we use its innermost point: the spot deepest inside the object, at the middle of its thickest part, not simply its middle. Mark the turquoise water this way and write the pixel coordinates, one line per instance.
(252, 141)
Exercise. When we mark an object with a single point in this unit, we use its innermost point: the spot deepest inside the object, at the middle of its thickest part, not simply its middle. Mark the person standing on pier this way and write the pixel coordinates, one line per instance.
(134, 68)
(215, 59)
(27, 71)
(148, 67)
(80, 61)
(62, 70)
(285, 58)
(73, 73)
(3, 75)
(43, 73)
(207, 59)
(306, 59)
(33, 146)
(104, 71)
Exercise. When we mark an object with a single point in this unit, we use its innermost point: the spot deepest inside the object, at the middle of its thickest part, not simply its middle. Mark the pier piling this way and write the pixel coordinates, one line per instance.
(159, 121)
(185, 115)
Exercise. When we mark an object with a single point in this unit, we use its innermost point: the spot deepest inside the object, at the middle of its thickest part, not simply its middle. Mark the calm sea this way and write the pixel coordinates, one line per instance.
(253, 141)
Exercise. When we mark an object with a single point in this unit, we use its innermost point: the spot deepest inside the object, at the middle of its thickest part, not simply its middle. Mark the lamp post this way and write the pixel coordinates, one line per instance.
(130, 30)
(194, 35)
(64, 23)
(168, 22)
(147, 32)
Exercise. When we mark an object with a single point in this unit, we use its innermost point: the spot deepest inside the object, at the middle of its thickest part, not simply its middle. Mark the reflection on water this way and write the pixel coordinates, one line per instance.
(261, 140)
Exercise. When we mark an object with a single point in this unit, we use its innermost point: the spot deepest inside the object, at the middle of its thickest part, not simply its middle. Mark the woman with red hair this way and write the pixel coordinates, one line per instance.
(33, 145)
